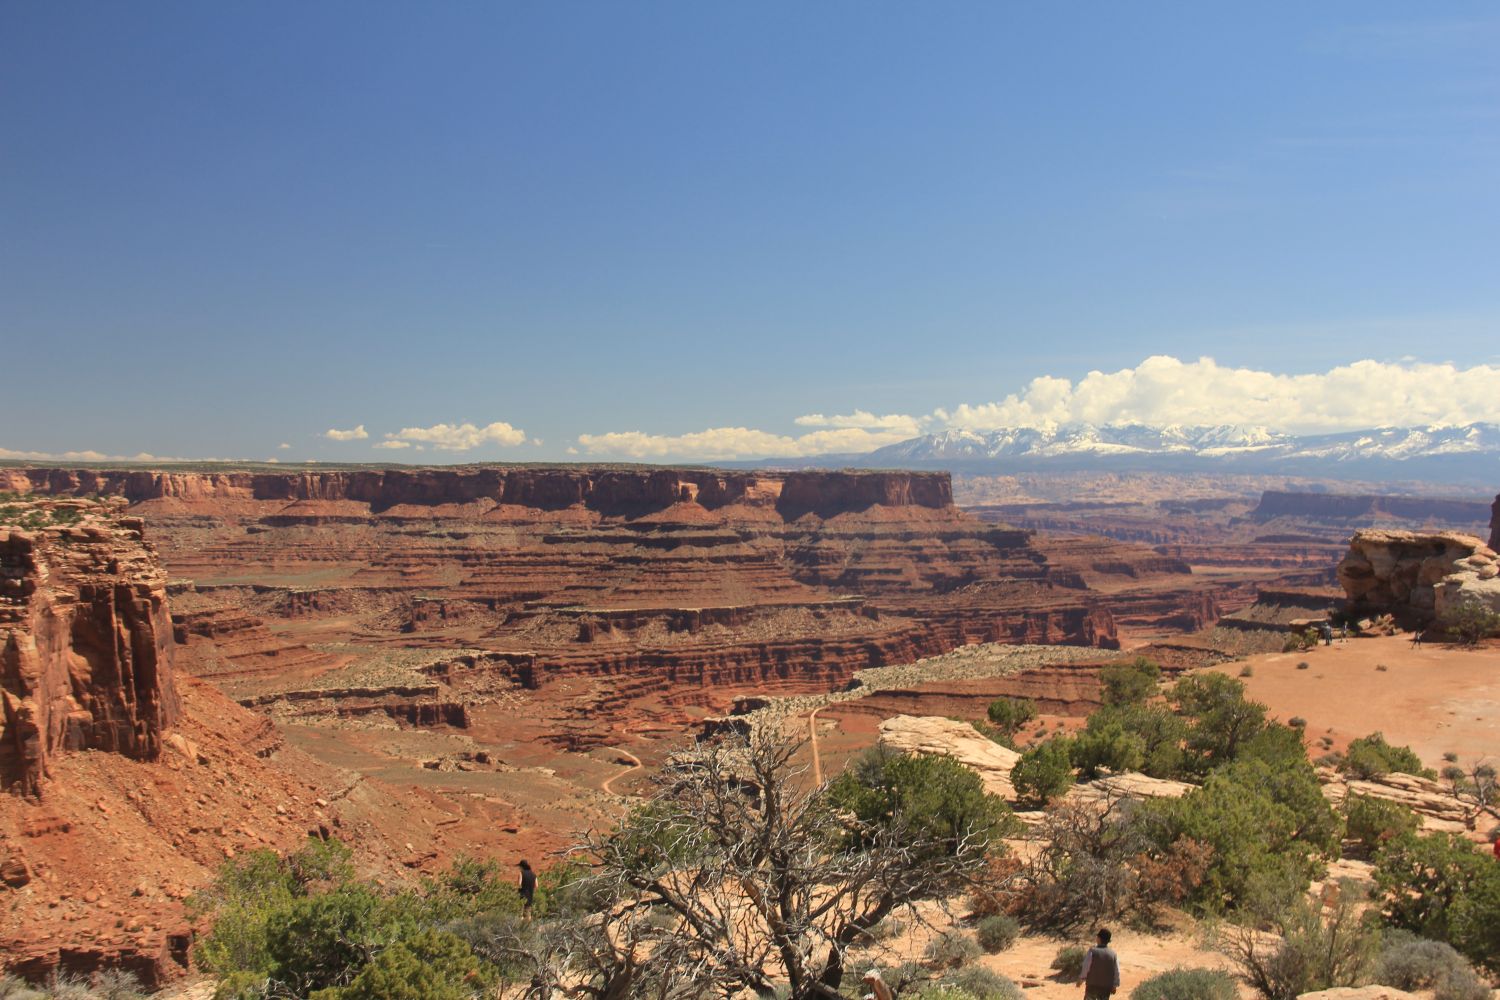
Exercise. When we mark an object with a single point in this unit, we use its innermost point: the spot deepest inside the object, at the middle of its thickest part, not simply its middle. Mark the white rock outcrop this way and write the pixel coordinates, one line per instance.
(1429, 574)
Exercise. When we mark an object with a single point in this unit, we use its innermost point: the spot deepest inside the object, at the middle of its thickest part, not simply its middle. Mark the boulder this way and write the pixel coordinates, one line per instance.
(1420, 577)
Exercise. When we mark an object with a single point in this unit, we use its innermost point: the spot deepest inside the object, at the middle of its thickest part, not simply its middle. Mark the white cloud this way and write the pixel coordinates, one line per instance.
(283, 446)
(1160, 391)
(908, 426)
(736, 442)
(357, 434)
(460, 437)
(1164, 390)
(393, 444)
(98, 456)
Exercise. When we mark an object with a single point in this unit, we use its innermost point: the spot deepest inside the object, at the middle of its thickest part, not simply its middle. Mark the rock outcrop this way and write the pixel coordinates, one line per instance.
(1419, 577)
(1495, 525)
(941, 737)
(85, 638)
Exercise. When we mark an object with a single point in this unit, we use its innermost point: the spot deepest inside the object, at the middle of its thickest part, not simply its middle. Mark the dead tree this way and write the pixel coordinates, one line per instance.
(739, 875)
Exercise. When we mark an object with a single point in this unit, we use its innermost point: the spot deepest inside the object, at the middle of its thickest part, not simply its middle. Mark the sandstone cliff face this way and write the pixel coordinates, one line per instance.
(607, 491)
(1422, 577)
(85, 639)
(1495, 525)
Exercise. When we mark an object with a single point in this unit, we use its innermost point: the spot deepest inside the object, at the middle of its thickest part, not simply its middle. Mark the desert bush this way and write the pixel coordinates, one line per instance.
(1437, 885)
(243, 986)
(1044, 772)
(1187, 984)
(982, 984)
(1370, 822)
(1068, 962)
(1371, 756)
(1469, 622)
(1221, 720)
(1266, 826)
(118, 984)
(1158, 729)
(1106, 745)
(1097, 864)
(1297, 722)
(1409, 963)
(1316, 951)
(14, 987)
(1247, 671)
(936, 798)
(1129, 683)
(1009, 715)
(952, 950)
(997, 933)
(425, 965)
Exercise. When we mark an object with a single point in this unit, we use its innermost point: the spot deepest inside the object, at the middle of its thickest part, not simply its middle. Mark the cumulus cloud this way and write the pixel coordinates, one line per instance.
(459, 437)
(283, 446)
(1164, 390)
(357, 434)
(393, 444)
(1158, 392)
(896, 423)
(737, 442)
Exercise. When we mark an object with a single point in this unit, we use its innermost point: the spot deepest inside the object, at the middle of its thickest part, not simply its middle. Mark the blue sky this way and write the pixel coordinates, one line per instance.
(228, 227)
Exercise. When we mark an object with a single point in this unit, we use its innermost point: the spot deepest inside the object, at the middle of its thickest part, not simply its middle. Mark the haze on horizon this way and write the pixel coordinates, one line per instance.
(365, 232)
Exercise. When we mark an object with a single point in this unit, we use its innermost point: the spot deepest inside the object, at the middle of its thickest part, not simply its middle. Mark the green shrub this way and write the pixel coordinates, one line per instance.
(936, 796)
(426, 965)
(243, 986)
(1437, 885)
(1129, 683)
(1266, 825)
(1371, 823)
(997, 933)
(1221, 721)
(1188, 984)
(1371, 756)
(1068, 962)
(1044, 772)
(982, 984)
(1011, 714)
(952, 950)
(1408, 962)
(1469, 622)
(1106, 745)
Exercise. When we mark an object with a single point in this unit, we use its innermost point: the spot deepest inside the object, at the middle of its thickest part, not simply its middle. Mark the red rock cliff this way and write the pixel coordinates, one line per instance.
(607, 491)
(85, 639)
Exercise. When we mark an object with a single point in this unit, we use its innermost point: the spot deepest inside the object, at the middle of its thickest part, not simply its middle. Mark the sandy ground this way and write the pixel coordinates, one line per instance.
(1028, 962)
(1436, 699)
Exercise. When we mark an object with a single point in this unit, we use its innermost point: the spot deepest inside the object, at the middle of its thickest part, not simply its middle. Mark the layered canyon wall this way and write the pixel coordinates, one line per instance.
(85, 638)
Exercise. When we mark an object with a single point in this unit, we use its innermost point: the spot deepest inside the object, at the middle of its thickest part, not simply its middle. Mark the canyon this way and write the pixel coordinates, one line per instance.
(429, 662)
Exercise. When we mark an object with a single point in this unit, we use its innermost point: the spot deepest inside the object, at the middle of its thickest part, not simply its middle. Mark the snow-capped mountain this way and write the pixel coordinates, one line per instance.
(1242, 448)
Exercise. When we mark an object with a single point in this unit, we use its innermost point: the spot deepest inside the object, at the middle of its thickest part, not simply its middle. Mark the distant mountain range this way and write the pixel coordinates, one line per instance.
(1466, 453)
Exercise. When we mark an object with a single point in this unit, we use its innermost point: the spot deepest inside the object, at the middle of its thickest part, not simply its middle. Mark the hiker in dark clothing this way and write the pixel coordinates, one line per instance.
(527, 889)
(1100, 975)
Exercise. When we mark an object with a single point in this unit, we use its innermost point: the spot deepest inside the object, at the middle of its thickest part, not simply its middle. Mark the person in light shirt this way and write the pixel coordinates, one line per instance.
(1100, 975)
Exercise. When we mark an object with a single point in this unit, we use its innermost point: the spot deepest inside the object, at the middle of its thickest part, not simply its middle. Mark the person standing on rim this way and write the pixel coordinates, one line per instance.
(1100, 975)
(527, 889)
